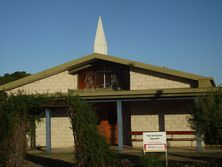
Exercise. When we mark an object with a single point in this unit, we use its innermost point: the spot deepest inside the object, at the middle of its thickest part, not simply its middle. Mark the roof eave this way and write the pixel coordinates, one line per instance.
(152, 94)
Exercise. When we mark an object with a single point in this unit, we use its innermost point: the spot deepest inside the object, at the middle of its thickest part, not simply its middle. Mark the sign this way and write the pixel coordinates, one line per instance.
(154, 142)
(154, 147)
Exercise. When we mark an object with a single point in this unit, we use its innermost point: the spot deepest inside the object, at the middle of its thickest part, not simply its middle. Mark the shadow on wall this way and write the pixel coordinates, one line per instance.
(127, 124)
(160, 110)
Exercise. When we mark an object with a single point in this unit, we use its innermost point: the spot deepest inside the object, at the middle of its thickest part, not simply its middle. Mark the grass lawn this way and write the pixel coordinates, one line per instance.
(176, 157)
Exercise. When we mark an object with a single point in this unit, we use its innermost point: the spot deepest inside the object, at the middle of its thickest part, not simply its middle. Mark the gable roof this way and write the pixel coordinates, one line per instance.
(81, 62)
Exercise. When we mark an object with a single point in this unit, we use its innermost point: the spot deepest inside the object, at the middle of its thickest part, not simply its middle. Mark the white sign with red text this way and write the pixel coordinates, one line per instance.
(154, 142)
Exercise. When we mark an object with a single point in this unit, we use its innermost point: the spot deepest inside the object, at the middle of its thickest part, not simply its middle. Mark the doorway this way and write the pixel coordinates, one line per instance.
(107, 121)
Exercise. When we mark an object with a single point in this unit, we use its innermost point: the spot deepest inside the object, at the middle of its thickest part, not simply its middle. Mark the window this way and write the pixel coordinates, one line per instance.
(107, 76)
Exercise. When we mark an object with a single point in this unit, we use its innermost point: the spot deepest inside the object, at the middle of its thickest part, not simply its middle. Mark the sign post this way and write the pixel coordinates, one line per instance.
(155, 142)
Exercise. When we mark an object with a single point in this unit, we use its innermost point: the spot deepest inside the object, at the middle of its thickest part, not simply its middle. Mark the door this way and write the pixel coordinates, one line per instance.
(107, 122)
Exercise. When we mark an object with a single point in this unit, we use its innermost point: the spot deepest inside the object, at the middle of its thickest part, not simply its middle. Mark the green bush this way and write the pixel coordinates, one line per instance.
(15, 114)
(13, 118)
(90, 147)
(18, 112)
(206, 117)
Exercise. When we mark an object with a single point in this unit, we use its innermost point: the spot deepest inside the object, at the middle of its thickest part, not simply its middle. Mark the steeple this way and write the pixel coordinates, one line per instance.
(100, 45)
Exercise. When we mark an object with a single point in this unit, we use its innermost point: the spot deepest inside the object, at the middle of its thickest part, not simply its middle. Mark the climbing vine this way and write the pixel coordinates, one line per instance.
(18, 114)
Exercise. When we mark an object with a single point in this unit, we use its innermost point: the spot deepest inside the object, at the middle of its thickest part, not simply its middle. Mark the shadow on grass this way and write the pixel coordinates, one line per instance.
(134, 159)
(48, 162)
(197, 161)
(203, 160)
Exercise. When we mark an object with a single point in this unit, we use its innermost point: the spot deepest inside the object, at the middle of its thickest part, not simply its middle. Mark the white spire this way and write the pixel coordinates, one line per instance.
(100, 45)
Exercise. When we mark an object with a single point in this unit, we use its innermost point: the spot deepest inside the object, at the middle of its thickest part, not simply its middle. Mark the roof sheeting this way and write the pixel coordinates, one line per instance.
(77, 63)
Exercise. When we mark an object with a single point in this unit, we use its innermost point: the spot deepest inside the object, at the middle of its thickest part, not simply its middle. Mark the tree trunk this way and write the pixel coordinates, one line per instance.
(17, 146)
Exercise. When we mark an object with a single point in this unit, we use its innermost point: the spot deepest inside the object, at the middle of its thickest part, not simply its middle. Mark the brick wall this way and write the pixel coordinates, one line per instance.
(141, 79)
(57, 83)
(155, 115)
(61, 133)
(177, 122)
(160, 116)
(144, 123)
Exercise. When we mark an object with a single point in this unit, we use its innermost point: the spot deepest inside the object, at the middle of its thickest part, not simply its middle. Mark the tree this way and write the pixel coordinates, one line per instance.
(206, 117)
(12, 77)
(17, 112)
(15, 116)
(91, 148)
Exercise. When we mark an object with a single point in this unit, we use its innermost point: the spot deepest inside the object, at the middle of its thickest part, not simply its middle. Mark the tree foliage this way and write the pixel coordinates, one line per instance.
(18, 112)
(15, 112)
(206, 117)
(90, 147)
(12, 77)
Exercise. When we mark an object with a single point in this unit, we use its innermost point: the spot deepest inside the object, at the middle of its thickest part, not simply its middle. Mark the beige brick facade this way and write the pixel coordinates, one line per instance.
(61, 133)
(180, 120)
(144, 123)
(57, 83)
(143, 116)
(160, 116)
(41, 133)
(141, 79)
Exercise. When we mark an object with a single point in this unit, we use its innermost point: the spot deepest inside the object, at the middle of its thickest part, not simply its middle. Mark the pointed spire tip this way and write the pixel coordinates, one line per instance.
(100, 45)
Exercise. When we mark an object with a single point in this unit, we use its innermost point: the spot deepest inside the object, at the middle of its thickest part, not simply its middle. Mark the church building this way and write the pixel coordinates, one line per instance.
(130, 98)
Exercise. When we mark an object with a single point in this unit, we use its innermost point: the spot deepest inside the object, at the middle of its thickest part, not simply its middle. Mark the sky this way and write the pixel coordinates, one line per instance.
(185, 35)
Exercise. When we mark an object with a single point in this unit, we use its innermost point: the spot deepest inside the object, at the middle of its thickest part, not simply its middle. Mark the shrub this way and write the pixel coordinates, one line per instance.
(206, 117)
(14, 117)
(91, 148)
(18, 112)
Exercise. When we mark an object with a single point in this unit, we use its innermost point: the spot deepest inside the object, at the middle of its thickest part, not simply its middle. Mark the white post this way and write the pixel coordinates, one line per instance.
(120, 125)
(48, 130)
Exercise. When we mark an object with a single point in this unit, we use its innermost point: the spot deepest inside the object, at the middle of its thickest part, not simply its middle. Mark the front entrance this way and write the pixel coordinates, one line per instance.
(107, 121)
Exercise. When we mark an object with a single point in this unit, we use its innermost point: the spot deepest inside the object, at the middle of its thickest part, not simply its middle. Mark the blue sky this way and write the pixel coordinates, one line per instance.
(184, 35)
